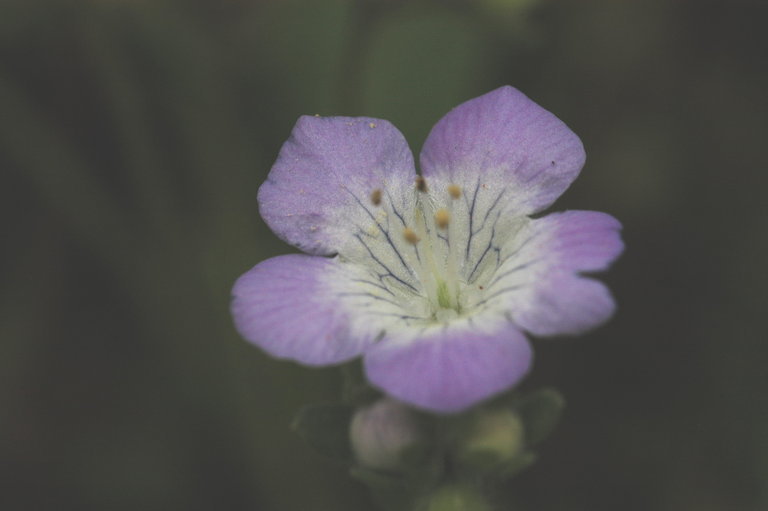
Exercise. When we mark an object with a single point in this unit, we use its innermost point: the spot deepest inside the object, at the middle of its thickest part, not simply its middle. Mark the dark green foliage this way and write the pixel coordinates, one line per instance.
(541, 411)
(325, 427)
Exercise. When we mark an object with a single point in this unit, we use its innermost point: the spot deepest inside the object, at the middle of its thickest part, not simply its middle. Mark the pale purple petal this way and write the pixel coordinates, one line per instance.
(286, 306)
(540, 286)
(584, 241)
(318, 194)
(449, 369)
(503, 138)
(565, 305)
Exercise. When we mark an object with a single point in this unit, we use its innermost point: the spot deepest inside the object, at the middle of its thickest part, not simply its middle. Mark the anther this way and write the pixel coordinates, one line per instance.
(421, 184)
(410, 236)
(442, 218)
(454, 191)
(376, 197)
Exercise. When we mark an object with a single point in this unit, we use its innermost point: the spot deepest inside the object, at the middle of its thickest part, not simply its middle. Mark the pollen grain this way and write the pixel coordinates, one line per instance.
(410, 236)
(442, 218)
(376, 197)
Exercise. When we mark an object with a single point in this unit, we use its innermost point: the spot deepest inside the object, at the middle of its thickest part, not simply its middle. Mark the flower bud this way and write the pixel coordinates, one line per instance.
(381, 434)
(455, 498)
(494, 437)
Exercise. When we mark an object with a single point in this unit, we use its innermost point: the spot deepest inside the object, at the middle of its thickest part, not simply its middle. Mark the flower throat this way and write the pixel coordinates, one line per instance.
(430, 232)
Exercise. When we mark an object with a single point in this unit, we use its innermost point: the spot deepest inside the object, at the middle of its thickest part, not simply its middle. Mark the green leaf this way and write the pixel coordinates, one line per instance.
(376, 479)
(326, 428)
(455, 497)
(516, 465)
(541, 411)
(390, 491)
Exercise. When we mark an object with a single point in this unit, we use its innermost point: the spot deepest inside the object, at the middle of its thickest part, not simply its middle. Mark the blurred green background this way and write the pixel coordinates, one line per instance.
(135, 133)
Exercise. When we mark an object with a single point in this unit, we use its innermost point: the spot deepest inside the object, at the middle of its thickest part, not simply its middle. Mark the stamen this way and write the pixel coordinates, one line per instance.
(442, 218)
(454, 191)
(421, 184)
(410, 236)
(376, 197)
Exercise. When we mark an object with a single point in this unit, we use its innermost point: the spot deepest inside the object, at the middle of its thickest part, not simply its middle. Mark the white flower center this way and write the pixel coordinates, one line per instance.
(435, 256)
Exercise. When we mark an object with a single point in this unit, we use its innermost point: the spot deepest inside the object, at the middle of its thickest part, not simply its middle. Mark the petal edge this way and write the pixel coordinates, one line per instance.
(284, 306)
(328, 164)
(503, 137)
(449, 371)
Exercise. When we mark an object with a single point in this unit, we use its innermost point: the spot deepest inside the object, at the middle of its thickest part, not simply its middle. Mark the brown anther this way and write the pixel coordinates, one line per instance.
(454, 191)
(421, 184)
(410, 236)
(376, 197)
(442, 218)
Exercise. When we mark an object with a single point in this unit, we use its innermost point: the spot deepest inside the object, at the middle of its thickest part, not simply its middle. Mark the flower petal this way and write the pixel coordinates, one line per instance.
(318, 193)
(501, 139)
(286, 306)
(538, 285)
(449, 369)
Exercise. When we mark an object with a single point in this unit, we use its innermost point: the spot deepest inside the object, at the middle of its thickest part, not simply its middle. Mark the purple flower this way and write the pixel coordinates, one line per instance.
(432, 279)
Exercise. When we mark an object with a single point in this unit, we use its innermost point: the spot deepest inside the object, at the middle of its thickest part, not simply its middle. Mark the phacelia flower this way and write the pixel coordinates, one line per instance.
(432, 278)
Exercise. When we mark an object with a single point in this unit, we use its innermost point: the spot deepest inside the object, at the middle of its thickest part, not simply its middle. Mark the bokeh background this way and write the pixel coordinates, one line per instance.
(135, 133)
